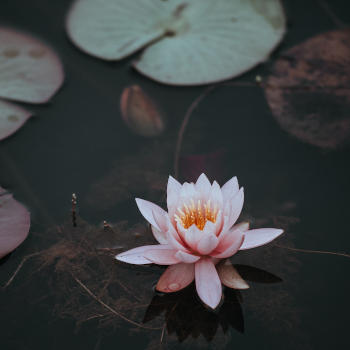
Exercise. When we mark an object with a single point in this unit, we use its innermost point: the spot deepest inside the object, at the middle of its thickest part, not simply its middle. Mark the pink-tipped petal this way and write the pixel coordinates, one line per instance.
(207, 244)
(208, 283)
(160, 236)
(236, 207)
(216, 194)
(243, 226)
(203, 185)
(162, 256)
(30, 71)
(137, 255)
(187, 257)
(176, 277)
(11, 118)
(232, 245)
(173, 190)
(230, 189)
(175, 240)
(14, 223)
(258, 237)
(192, 236)
(230, 277)
(154, 214)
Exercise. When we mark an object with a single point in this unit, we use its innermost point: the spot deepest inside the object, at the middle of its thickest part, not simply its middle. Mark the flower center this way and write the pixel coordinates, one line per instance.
(199, 214)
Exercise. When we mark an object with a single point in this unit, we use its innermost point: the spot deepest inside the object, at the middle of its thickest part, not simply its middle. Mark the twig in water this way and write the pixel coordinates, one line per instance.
(115, 312)
(313, 251)
(19, 267)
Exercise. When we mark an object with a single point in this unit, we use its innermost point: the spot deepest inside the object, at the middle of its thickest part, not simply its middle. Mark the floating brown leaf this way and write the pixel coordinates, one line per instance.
(309, 90)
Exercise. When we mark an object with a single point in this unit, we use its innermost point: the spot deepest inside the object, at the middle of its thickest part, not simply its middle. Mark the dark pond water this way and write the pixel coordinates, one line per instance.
(79, 143)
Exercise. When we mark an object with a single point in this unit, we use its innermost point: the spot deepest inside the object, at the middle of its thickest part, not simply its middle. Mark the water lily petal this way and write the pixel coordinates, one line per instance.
(232, 243)
(175, 240)
(207, 244)
(243, 226)
(230, 277)
(187, 257)
(230, 189)
(257, 237)
(192, 236)
(176, 277)
(160, 236)
(173, 190)
(203, 185)
(236, 207)
(137, 255)
(162, 256)
(208, 283)
(14, 223)
(154, 214)
(216, 194)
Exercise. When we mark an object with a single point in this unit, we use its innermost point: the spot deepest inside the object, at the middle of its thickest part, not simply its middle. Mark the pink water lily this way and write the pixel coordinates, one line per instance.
(195, 234)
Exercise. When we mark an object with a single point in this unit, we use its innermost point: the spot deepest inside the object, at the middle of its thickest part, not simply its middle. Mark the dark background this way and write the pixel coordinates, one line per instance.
(79, 137)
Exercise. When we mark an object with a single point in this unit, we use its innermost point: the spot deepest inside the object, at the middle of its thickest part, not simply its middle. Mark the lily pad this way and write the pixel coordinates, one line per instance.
(14, 223)
(29, 70)
(309, 90)
(188, 42)
(12, 118)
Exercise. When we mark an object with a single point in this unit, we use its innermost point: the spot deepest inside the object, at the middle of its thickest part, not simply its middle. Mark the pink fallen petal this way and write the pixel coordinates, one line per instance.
(137, 255)
(258, 237)
(11, 118)
(207, 244)
(154, 214)
(186, 257)
(176, 277)
(230, 189)
(14, 223)
(230, 277)
(160, 236)
(208, 283)
(30, 71)
(233, 248)
(162, 256)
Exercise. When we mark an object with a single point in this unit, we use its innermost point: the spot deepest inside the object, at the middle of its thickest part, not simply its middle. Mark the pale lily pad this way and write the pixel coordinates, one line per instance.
(14, 223)
(189, 42)
(30, 71)
(12, 118)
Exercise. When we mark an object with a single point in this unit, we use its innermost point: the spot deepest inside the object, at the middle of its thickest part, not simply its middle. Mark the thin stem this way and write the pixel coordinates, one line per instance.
(313, 251)
(330, 13)
(19, 267)
(109, 308)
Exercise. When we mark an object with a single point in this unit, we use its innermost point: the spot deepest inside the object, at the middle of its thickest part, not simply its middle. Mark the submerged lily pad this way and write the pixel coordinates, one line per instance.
(189, 42)
(29, 70)
(12, 118)
(14, 223)
(309, 90)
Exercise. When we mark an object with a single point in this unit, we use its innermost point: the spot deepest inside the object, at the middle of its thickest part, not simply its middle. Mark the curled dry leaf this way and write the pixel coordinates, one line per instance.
(12, 118)
(188, 42)
(29, 72)
(309, 90)
(14, 223)
(140, 112)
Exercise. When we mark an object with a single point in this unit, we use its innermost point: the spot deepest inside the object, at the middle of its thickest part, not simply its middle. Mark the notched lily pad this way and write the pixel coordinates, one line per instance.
(11, 118)
(309, 90)
(188, 42)
(30, 71)
(14, 223)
